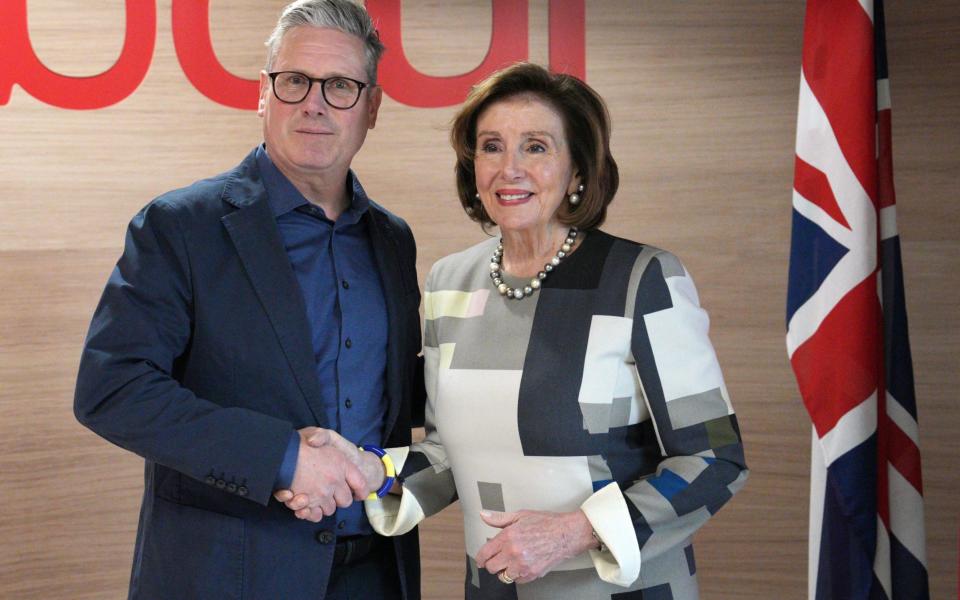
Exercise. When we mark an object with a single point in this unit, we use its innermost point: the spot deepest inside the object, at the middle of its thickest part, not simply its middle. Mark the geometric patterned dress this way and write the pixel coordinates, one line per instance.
(601, 392)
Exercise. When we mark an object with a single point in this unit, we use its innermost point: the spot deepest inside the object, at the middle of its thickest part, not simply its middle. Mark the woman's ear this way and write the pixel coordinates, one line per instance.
(574, 183)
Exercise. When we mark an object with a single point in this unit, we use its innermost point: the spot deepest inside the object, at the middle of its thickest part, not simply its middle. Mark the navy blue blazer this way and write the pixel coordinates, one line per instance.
(199, 359)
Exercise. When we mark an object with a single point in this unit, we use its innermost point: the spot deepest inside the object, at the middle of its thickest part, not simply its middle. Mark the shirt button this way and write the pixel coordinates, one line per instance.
(242, 490)
(348, 343)
(341, 524)
(221, 483)
(232, 487)
(325, 537)
(348, 403)
(346, 284)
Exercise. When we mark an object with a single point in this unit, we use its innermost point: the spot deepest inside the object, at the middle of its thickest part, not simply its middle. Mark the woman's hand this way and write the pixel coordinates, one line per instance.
(532, 542)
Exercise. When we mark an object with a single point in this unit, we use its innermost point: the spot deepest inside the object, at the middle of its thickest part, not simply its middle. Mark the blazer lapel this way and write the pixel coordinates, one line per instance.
(385, 250)
(253, 231)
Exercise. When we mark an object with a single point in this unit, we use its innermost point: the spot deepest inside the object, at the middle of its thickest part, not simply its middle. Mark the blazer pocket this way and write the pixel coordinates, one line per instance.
(189, 553)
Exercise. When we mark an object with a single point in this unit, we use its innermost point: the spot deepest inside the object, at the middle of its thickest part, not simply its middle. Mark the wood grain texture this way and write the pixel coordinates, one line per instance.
(703, 98)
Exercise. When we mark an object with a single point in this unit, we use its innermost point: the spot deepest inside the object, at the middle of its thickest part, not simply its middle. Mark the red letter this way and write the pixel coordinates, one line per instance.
(113, 85)
(191, 38)
(568, 52)
(508, 43)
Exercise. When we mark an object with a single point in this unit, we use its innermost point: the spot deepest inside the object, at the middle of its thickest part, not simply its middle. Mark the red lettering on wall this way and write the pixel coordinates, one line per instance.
(508, 43)
(194, 48)
(568, 37)
(21, 66)
(191, 38)
(403, 83)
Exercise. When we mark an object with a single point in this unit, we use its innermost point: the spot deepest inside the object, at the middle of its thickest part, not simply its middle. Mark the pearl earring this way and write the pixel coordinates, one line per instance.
(575, 197)
(470, 209)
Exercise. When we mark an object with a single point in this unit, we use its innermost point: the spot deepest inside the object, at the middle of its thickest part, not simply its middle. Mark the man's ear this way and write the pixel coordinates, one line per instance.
(264, 90)
(376, 97)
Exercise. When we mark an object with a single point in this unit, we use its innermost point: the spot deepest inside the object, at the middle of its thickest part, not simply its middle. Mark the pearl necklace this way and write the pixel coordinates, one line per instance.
(496, 274)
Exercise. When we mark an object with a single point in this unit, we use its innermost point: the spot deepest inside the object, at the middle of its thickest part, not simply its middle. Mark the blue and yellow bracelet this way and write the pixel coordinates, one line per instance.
(387, 465)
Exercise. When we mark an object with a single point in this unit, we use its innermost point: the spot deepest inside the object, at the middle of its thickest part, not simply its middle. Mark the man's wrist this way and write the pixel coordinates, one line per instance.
(386, 471)
(376, 469)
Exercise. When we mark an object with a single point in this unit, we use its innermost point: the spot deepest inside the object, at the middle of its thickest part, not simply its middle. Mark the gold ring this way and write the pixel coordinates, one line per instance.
(502, 576)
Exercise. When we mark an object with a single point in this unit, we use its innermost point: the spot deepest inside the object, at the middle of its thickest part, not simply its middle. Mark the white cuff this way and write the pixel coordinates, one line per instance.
(607, 512)
(394, 515)
(398, 456)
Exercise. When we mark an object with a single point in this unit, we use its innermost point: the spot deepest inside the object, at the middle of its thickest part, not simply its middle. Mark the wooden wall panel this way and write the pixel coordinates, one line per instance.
(703, 97)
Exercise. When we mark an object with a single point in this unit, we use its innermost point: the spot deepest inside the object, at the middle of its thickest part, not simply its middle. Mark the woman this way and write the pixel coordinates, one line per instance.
(575, 404)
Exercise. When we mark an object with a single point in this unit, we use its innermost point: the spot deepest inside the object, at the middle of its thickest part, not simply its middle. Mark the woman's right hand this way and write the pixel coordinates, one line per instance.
(369, 464)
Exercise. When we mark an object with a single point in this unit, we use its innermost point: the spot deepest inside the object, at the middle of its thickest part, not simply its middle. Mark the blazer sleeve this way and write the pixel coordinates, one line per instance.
(126, 387)
(702, 462)
(428, 485)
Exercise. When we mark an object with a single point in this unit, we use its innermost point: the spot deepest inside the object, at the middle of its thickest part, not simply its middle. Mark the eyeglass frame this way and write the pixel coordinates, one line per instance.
(362, 85)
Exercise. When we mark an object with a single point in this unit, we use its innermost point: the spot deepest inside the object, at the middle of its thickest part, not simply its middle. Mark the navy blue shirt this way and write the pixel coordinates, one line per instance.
(338, 276)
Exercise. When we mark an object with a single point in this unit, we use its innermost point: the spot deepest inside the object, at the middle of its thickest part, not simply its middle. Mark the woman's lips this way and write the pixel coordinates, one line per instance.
(513, 197)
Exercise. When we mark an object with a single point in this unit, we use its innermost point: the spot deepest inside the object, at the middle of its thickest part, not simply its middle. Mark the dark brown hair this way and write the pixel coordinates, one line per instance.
(585, 121)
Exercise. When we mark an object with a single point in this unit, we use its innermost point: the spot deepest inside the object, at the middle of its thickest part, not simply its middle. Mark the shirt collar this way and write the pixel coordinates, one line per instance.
(284, 197)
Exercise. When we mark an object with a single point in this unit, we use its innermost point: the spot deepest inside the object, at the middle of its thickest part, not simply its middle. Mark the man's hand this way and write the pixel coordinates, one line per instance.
(325, 477)
(369, 464)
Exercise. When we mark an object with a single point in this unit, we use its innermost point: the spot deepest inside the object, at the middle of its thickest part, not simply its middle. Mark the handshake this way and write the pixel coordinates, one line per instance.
(331, 472)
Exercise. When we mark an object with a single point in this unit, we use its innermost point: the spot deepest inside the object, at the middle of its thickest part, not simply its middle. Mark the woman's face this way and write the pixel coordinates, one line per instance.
(523, 166)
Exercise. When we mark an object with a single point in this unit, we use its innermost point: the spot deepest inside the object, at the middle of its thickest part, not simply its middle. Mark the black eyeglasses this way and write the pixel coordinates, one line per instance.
(291, 87)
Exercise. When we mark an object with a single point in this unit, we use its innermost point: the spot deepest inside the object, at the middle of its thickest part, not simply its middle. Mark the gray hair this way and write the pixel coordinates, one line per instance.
(342, 15)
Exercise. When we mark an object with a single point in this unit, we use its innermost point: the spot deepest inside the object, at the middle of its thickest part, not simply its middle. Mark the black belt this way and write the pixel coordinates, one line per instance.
(351, 549)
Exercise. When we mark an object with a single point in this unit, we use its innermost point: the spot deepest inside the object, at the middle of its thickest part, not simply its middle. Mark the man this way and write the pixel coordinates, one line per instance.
(251, 311)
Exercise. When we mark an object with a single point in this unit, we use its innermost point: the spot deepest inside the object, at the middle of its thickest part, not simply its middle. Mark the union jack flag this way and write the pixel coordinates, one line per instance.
(846, 319)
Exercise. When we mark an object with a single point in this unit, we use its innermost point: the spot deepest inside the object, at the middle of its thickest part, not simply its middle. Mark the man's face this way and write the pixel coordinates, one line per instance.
(311, 139)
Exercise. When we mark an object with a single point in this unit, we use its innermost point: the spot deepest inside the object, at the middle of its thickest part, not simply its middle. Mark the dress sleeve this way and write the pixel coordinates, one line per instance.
(702, 462)
(428, 485)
